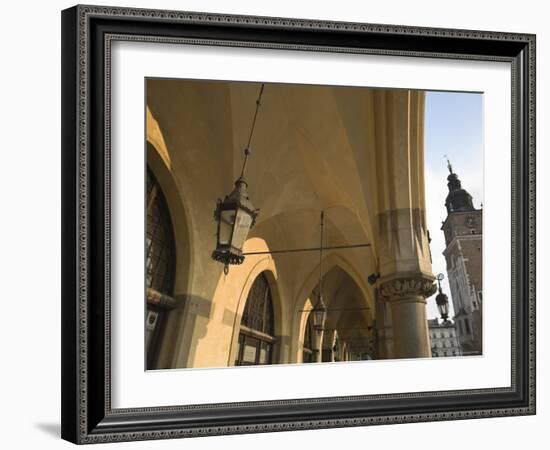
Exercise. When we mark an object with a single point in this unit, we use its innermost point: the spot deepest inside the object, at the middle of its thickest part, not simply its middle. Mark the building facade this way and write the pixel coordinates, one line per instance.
(356, 154)
(443, 339)
(463, 229)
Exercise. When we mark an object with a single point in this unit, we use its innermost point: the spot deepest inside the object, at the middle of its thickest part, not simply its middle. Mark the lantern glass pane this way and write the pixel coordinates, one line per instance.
(242, 227)
(318, 318)
(443, 308)
(227, 218)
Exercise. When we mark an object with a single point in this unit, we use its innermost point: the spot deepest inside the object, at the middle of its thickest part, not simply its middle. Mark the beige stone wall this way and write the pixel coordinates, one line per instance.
(357, 154)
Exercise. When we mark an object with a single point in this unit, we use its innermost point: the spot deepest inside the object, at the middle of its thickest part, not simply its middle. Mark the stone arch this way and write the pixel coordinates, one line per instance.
(158, 160)
(263, 264)
(302, 324)
(332, 260)
(178, 214)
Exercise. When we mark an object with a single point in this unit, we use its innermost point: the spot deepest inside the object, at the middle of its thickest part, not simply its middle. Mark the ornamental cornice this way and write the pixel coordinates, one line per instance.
(408, 286)
(457, 239)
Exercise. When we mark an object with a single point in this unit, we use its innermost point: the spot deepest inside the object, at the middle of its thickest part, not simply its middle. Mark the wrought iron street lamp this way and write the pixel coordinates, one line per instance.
(319, 315)
(236, 215)
(442, 300)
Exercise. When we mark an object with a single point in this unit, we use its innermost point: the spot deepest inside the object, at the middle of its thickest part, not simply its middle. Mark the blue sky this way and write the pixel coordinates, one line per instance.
(453, 127)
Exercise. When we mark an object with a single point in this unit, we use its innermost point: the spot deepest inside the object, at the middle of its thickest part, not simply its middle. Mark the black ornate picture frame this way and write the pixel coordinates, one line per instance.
(87, 34)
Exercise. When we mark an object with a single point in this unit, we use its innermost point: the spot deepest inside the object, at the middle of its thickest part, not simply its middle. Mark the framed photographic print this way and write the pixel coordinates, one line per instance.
(281, 224)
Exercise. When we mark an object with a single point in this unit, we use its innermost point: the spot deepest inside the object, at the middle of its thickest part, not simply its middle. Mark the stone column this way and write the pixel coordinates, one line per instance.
(384, 332)
(404, 260)
(319, 346)
(407, 299)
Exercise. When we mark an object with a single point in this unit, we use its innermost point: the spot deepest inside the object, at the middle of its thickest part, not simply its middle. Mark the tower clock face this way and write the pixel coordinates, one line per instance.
(471, 221)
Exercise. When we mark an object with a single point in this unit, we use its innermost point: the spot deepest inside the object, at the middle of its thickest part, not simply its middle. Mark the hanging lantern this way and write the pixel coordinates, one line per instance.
(442, 300)
(443, 306)
(319, 316)
(235, 216)
(320, 310)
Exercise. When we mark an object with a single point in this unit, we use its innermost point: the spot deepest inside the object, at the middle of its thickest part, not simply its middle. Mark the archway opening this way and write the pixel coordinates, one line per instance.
(349, 321)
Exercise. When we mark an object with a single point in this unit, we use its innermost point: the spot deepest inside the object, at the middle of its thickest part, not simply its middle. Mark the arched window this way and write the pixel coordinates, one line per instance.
(159, 264)
(160, 239)
(308, 355)
(257, 328)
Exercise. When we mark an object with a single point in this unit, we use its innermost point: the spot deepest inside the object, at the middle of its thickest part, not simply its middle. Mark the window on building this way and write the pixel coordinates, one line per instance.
(467, 326)
(256, 338)
(159, 262)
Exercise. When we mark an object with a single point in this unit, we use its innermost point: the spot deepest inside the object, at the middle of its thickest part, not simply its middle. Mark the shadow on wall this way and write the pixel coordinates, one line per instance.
(183, 329)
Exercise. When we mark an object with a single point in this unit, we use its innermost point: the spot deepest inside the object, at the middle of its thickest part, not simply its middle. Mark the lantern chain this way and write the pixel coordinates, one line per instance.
(321, 260)
(252, 128)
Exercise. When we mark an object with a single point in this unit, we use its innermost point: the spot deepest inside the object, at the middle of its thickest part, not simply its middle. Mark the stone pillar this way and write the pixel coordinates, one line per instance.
(319, 346)
(404, 260)
(329, 338)
(383, 327)
(407, 300)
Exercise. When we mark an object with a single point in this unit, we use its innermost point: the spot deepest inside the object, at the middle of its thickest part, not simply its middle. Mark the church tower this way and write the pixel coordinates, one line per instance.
(463, 254)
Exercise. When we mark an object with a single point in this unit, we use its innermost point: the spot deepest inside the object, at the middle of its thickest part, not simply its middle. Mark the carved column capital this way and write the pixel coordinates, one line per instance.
(407, 286)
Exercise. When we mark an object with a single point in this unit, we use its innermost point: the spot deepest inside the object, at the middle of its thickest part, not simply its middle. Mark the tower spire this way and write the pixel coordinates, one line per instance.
(449, 166)
(458, 199)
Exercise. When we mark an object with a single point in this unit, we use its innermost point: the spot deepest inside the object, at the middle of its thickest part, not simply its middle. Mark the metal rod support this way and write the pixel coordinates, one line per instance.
(309, 249)
(338, 309)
